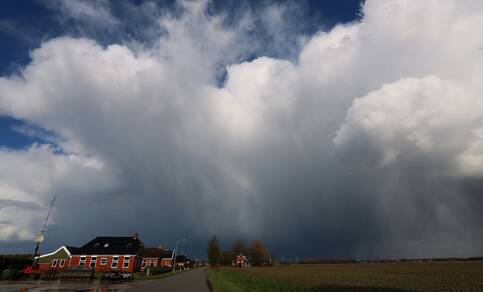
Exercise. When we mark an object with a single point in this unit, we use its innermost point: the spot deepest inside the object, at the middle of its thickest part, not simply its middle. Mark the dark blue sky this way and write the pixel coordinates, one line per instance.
(24, 25)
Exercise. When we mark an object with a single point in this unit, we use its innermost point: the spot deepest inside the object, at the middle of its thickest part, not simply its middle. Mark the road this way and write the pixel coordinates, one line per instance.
(191, 281)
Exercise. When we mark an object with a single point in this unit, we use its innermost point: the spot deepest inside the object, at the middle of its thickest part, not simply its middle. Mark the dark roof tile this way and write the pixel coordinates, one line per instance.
(168, 253)
(110, 245)
(153, 252)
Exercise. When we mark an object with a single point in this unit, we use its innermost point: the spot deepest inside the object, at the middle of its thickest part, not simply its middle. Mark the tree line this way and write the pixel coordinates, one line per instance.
(256, 252)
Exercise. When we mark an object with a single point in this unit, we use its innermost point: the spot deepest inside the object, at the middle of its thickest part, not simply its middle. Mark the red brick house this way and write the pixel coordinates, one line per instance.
(104, 254)
(107, 254)
(157, 257)
(152, 257)
(168, 257)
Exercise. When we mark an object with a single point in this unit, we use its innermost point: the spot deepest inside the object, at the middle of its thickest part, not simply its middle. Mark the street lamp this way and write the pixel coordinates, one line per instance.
(175, 250)
(39, 238)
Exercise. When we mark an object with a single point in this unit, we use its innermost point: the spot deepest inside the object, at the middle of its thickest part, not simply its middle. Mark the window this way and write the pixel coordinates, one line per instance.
(82, 261)
(103, 261)
(106, 244)
(125, 263)
(144, 263)
(54, 263)
(62, 261)
(152, 263)
(93, 261)
(115, 259)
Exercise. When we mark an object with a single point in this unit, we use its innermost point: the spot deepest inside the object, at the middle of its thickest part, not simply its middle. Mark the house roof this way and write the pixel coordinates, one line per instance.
(61, 253)
(153, 252)
(182, 258)
(104, 245)
(71, 249)
(168, 253)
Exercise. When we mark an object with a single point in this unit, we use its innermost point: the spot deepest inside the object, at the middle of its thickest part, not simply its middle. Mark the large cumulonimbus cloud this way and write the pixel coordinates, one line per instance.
(366, 142)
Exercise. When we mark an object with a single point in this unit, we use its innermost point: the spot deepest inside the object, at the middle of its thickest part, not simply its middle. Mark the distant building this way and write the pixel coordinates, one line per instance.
(240, 261)
(182, 262)
(152, 257)
(168, 256)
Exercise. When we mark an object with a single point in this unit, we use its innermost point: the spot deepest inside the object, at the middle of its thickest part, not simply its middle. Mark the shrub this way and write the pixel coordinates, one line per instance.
(160, 270)
(8, 274)
(15, 262)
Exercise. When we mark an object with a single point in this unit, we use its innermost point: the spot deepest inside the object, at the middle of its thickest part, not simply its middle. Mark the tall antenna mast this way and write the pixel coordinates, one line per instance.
(40, 236)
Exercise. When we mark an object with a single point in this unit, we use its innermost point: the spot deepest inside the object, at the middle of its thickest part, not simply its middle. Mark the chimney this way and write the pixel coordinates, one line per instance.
(160, 246)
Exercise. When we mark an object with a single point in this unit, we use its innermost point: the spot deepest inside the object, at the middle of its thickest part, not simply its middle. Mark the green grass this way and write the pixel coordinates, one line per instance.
(220, 283)
(223, 281)
(432, 276)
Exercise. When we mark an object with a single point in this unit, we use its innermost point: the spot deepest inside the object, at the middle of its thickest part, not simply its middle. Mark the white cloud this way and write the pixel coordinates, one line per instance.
(148, 126)
(250, 91)
(414, 118)
(29, 178)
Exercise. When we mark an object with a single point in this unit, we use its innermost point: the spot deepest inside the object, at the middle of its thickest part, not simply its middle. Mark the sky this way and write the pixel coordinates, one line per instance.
(328, 129)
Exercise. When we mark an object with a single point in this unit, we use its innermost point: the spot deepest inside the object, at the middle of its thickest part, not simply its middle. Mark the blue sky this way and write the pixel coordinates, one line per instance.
(24, 25)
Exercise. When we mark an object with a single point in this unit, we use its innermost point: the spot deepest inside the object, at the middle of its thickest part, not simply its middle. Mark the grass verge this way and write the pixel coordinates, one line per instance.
(219, 283)
(222, 281)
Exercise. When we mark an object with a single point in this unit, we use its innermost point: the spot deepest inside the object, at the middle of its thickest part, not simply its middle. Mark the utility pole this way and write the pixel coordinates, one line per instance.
(40, 236)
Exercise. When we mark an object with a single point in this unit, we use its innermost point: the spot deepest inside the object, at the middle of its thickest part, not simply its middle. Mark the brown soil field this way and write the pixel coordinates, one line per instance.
(411, 276)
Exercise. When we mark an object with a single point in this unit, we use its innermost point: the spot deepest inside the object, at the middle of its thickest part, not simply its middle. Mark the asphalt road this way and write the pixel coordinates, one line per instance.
(191, 281)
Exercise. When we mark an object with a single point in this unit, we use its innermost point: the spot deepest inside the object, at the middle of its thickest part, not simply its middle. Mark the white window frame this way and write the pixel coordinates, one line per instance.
(128, 258)
(82, 261)
(54, 263)
(144, 264)
(103, 261)
(62, 263)
(93, 261)
(115, 261)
